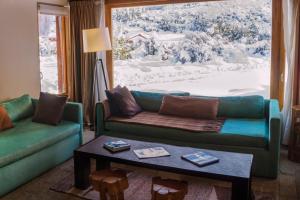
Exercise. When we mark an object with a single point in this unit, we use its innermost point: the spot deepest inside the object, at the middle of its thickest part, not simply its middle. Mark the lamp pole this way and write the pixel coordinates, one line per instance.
(96, 77)
(103, 71)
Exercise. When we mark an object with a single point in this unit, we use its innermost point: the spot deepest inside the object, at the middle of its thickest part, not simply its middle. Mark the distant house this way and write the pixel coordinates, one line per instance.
(140, 37)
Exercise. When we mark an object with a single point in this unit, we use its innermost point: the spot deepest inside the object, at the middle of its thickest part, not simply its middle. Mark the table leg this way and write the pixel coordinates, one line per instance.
(82, 168)
(241, 190)
(102, 164)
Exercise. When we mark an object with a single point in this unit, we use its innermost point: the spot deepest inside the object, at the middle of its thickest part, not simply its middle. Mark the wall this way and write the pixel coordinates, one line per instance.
(19, 60)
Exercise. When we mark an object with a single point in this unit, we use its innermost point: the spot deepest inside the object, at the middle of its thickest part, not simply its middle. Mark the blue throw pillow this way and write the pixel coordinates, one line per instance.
(151, 101)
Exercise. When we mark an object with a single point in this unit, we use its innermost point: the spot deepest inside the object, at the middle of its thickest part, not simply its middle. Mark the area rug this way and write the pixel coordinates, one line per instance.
(140, 186)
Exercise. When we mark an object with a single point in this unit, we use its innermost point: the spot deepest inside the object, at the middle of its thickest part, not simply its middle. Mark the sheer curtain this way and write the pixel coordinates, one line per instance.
(291, 35)
(101, 95)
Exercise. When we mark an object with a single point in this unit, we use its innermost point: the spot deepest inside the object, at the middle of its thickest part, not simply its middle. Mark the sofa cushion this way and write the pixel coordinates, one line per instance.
(19, 108)
(127, 102)
(151, 101)
(49, 109)
(28, 137)
(155, 119)
(113, 103)
(5, 121)
(245, 136)
(246, 127)
(242, 107)
(192, 107)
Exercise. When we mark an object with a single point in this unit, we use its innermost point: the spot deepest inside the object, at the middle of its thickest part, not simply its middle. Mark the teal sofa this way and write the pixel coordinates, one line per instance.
(252, 125)
(30, 148)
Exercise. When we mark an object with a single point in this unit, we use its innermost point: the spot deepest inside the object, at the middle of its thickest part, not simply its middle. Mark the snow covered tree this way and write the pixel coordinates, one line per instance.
(151, 47)
(122, 50)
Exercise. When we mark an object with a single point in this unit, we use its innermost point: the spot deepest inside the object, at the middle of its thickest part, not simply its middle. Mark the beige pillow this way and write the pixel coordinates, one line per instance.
(191, 107)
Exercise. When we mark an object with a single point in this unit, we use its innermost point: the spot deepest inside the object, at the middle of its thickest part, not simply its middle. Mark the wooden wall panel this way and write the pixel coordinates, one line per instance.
(132, 3)
(277, 57)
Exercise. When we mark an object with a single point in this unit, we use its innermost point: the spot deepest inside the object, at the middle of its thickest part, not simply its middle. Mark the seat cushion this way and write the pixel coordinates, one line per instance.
(166, 121)
(28, 137)
(256, 130)
(235, 132)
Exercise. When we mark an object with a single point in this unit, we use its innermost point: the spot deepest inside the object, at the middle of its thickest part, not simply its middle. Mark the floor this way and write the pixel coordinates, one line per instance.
(286, 186)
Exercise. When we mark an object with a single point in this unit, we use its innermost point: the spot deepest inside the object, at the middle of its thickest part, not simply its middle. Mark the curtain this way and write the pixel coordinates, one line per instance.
(63, 53)
(291, 39)
(101, 21)
(83, 15)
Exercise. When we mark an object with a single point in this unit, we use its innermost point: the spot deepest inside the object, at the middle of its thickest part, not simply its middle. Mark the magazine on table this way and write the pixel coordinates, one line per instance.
(200, 158)
(116, 146)
(151, 152)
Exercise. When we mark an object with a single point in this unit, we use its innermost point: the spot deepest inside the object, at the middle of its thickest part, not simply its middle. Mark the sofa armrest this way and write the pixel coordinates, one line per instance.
(102, 113)
(73, 112)
(274, 131)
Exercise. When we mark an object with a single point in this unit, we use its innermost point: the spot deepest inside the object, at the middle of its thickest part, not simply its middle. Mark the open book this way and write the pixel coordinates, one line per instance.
(151, 152)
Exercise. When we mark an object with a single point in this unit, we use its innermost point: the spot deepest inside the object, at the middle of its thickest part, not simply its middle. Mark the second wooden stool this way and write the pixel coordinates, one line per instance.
(111, 182)
(167, 189)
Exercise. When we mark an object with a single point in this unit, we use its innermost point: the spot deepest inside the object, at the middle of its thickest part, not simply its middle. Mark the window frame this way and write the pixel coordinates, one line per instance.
(61, 14)
(277, 46)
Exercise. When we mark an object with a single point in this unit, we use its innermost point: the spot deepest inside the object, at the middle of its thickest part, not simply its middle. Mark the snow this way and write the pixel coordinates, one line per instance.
(210, 48)
(49, 76)
(196, 79)
(168, 37)
(48, 53)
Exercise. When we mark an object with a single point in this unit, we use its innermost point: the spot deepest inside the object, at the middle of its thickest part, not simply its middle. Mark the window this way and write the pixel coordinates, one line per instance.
(217, 48)
(52, 38)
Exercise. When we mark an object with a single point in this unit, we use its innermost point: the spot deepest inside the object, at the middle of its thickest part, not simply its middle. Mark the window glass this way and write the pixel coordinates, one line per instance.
(48, 53)
(216, 48)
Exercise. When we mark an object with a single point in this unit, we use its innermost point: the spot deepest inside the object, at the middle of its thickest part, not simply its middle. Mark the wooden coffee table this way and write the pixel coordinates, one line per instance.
(232, 167)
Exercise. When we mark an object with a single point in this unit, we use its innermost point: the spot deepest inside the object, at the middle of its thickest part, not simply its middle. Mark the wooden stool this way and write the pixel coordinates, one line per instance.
(167, 189)
(111, 182)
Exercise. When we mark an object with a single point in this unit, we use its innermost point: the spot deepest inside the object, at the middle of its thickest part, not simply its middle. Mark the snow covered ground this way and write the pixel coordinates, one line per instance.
(216, 48)
(49, 77)
(201, 79)
(48, 53)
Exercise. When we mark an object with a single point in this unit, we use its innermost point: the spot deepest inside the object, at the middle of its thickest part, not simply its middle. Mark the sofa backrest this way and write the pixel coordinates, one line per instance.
(253, 106)
(229, 107)
(151, 101)
(19, 108)
(242, 107)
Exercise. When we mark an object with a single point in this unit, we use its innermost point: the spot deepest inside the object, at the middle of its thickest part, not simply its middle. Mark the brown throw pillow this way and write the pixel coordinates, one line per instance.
(50, 109)
(5, 121)
(125, 101)
(113, 103)
(190, 107)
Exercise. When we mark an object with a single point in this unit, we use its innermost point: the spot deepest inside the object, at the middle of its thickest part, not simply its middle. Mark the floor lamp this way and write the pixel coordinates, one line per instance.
(97, 40)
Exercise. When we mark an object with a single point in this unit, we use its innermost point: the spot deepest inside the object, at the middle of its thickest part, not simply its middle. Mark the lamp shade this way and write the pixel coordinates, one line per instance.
(95, 40)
